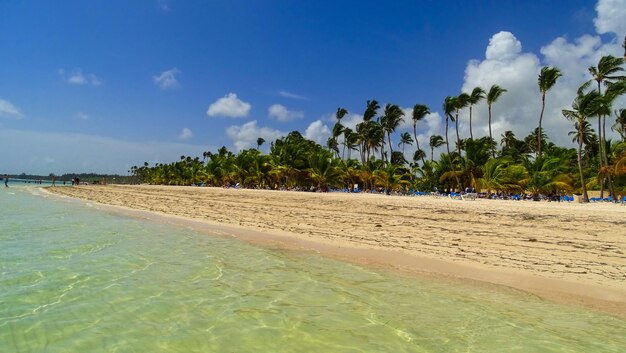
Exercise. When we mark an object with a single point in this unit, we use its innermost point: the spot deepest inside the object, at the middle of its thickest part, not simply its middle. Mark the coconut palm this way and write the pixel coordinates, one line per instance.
(607, 71)
(435, 142)
(492, 96)
(419, 112)
(341, 112)
(476, 96)
(585, 105)
(507, 139)
(405, 139)
(390, 121)
(461, 101)
(448, 108)
(547, 79)
(337, 131)
(259, 142)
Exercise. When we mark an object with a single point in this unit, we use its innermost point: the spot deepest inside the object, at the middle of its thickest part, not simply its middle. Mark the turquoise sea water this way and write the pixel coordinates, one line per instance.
(75, 279)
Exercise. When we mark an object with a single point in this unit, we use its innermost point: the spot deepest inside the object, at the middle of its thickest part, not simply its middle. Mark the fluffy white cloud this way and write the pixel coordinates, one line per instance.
(185, 134)
(281, 113)
(503, 46)
(518, 109)
(76, 77)
(167, 79)
(317, 131)
(290, 95)
(9, 110)
(611, 17)
(229, 106)
(245, 136)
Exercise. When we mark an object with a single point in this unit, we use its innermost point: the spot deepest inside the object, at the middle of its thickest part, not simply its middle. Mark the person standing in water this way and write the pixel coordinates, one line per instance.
(6, 180)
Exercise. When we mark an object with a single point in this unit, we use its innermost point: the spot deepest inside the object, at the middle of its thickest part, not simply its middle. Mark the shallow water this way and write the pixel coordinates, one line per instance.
(75, 279)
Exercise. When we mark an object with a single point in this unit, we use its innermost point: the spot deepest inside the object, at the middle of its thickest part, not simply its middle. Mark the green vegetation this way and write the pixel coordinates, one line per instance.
(532, 164)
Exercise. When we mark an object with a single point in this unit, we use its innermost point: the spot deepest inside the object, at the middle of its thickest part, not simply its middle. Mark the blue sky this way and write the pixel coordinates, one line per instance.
(103, 85)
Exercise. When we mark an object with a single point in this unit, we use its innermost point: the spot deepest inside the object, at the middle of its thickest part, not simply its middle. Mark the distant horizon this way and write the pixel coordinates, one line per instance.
(101, 87)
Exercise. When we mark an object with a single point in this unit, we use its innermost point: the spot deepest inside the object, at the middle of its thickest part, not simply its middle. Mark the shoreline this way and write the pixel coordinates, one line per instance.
(415, 235)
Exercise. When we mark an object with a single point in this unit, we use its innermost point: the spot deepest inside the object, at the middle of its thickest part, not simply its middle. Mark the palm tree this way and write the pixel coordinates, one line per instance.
(547, 79)
(608, 70)
(461, 101)
(405, 139)
(341, 112)
(390, 121)
(492, 96)
(585, 105)
(448, 108)
(507, 139)
(259, 142)
(337, 130)
(435, 142)
(476, 96)
(419, 112)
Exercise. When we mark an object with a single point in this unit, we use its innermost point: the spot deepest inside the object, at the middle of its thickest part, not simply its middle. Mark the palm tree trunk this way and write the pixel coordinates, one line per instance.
(606, 159)
(432, 154)
(580, 165)
(493, 153)
(458, 138)
(471, 134)
(447, 144)
(417, 144)
(543, 105)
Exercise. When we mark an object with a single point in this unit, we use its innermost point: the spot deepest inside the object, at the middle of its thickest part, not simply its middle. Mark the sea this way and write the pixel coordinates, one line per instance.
(74, 278)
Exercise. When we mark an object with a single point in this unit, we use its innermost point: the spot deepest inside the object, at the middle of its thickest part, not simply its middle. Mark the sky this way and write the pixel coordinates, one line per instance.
(100, 86)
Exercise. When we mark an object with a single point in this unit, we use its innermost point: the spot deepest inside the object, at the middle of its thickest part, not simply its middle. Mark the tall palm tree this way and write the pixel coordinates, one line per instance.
(337, 130)
(435, 142)
(390, 121)
(405, 139)
(448, 108)
(585, 105)
(547, 79)
(461, 101)
(492, 96)
(259, 142)
(476, 96)
(419, 112)
(608, 70)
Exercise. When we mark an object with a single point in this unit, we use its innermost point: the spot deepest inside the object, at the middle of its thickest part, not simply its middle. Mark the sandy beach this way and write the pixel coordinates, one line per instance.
(564, 252)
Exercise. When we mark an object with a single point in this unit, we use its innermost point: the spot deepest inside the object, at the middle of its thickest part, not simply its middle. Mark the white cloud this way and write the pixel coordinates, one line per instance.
(280, 113)
(611, 17)
(185, 134)
(76, 77)
(33, 156)
(245, 136)
(229, 106)
(82, 116)
(9, 110)
(291, 95)
(167, 79)
(317, 132)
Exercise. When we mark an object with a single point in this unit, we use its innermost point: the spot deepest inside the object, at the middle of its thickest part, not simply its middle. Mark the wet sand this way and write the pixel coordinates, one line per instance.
(564, 252)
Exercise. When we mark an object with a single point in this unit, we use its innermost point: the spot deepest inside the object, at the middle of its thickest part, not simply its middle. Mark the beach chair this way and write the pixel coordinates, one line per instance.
(471, 196)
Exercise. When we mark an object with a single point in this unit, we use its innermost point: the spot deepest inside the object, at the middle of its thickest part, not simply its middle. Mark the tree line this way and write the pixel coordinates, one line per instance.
(367, 157)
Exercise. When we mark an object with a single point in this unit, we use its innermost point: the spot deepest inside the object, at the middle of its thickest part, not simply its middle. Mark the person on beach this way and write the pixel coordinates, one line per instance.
(53, 180)
(6, 180)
